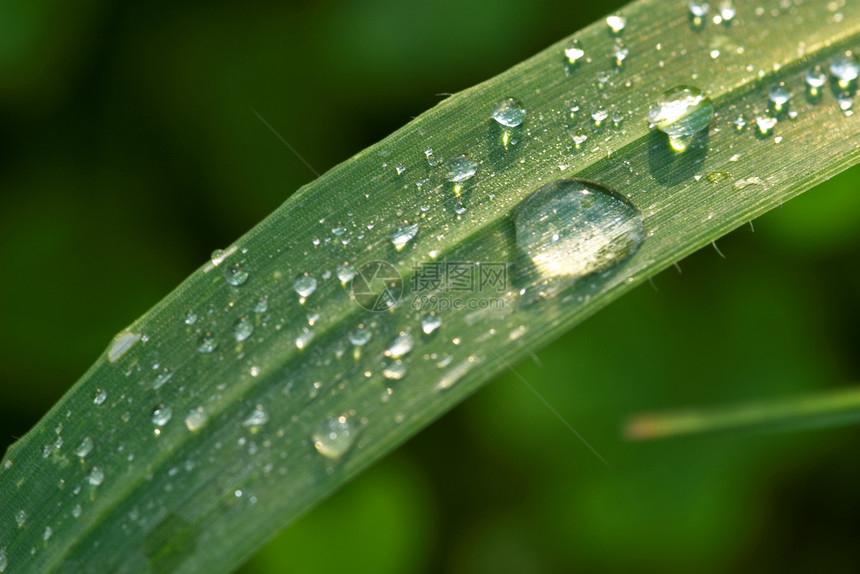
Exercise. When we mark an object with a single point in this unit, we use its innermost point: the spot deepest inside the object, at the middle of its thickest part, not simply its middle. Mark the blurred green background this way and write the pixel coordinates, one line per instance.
(128, 151)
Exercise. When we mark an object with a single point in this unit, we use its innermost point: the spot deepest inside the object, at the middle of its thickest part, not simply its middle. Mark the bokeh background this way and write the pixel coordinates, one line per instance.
(128, 151)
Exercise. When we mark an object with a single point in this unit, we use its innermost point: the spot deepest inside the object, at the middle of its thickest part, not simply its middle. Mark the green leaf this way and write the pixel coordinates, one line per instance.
(203, 431)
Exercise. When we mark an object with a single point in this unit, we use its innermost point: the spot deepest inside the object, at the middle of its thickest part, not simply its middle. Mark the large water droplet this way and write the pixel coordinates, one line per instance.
(242, 328)
(779, 94)
(572, 228)
(681, 113)
(334, 437)
(460, 168)
(616, 23)
(394, 371)
(815, 79)
(509, 112)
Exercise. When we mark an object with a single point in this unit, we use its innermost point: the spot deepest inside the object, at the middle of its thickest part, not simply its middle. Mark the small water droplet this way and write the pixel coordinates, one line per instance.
(161, 415)
(334, 437)
(401, 345)
(304, 285)
(257, 418)
(727, 11)
(616, 23)
(698, 11)
(620, 51)
(189, 318)
(360, 336)
(219, 255)
(77, 510)
(345, 272)
(845, 67)
(96, 476)
(578, 137)
(765, 124)
(121, 344)
(740, 123)
(846, 102)
(100, 396)
(20, 518)
(430, 323)
(235, 274)
(573, 228)
(815, 79)
(242, 328)
(4, 560)
(196, 419)
(304, 339)
(403, 236)
(47, 533)
(85, 447)
(431, 160)
(779, 94)
(460, 168)
(681, 113)
(399, 169)
(262, 305)
(573, 51)
(394, 371)
(509, 112)
(207, 344)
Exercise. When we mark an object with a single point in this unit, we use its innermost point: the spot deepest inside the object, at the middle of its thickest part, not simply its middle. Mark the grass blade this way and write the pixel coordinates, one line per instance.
(191, 439)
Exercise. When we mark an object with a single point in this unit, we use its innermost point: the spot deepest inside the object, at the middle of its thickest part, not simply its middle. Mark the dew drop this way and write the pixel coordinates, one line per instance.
(207, 344)
(262, 305)
(4, 560)
(403, 236)
(779, 94)
(345, 272)
(699, 8)
(96, 476)
(304, 285)
(360, 336)
(765, 124)
(242, 328)
(161, 415)
(681, 113)
(121, 344)
(430, 323)
(509, 112)
(77, 510)
(257, 418)
(189, 318)
(401, 345)
(460, 168)
(219, 255)
(235, 274)
(47, 533)
(573, 51)
(196, 419)
(572, 228)
(845, 67)
(616, 23)
(100, 397)
(394, 371)
(578, 138)
(20, 518)
(334, 437)
(85, 447)
(846, 103)
(815, 79)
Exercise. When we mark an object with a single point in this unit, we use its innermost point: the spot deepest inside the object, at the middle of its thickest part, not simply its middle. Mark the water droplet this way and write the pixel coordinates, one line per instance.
(304, 339)
(360, 336)
(779, 94)
(815, 79)
(765, 124)
(699, 8)
(262, 305)
(161, 415)
(509, 112)
(100, 396)
(334, 437)
(121, 344)
(47, 533)
(242, 328)
(96, 476)
(394, 371)
(571, 228)
(573, 51)
(77, 510)
(4, 560)
(196, 419)
(219, 255)
(401, 345)
(845, 67)
(620, 52)
(85, 447)
(235, 274)
(460, 168)
(846, 102)
(740, 123)
(399, 169)
(616, 23)
(403, 236)
(578, 138)
(727, 11)
(345, 272)
(599, 115)
(431, 160)
(430, 323)
(207, 344)
(189, 318)
(304, 285)
(257, 418)
(20, 518)
(681, 113)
